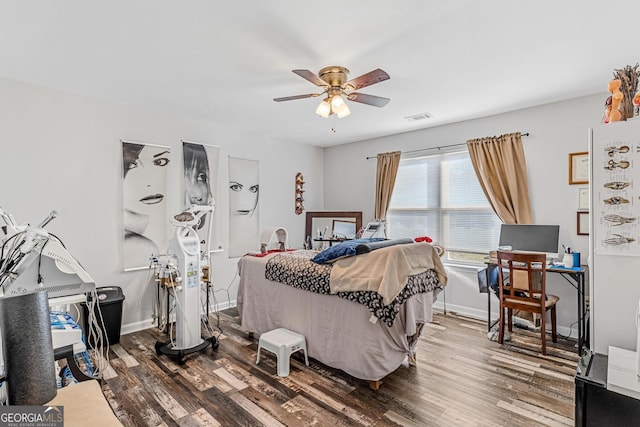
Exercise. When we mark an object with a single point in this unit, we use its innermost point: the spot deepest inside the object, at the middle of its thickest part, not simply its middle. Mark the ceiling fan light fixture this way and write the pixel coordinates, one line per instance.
(337, 103)
(335, 84)
(345, 112)
(324, 109)
(339, 107)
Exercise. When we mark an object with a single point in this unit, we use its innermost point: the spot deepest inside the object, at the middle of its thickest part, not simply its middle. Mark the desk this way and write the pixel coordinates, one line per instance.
(331, 241)
(574, 276)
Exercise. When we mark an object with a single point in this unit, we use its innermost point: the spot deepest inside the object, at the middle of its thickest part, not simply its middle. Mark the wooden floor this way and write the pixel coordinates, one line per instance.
(461, 379)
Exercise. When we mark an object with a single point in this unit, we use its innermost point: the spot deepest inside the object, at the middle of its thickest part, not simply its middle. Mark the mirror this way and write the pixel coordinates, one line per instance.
(340, 222)
(344, 229)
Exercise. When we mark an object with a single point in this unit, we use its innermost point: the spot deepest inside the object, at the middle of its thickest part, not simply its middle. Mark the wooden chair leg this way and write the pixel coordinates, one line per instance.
(501, 326)
(543, 332)
(510, 319)
(554, 333)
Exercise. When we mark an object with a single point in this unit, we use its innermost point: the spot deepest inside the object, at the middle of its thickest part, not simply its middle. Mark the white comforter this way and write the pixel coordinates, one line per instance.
(385, 270)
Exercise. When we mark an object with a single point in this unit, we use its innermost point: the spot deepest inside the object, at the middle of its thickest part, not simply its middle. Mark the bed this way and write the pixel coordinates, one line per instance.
(367, 332)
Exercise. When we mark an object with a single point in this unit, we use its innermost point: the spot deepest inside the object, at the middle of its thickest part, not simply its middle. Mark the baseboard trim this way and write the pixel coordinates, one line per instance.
(130, 328)
(473, 313)
(438, 307)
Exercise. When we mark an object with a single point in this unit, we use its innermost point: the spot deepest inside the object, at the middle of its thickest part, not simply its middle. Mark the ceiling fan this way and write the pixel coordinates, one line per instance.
(333, 81)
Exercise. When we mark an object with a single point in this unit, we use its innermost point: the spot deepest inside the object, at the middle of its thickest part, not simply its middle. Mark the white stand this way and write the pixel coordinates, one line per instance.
(638, 340)
(67, 336)
(188, 293)
(186, 244)
(621, 372)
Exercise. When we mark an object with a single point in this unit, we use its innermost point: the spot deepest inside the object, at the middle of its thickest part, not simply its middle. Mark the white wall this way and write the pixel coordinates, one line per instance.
(62, 151)
(555, 131)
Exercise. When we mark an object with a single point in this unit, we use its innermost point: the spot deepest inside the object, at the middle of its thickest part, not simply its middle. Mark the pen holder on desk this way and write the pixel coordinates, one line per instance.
(576, 259)
(567, 261)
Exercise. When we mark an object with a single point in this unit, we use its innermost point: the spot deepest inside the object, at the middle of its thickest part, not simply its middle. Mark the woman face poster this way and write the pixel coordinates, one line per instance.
(200, 184)
(144, 192)
(244, 194)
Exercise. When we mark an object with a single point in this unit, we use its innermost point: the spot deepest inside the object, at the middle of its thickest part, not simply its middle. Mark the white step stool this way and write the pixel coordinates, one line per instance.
(283, 343)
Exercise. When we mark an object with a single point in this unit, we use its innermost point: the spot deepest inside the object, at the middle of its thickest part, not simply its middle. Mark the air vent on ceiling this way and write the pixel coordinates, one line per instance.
(418, 117)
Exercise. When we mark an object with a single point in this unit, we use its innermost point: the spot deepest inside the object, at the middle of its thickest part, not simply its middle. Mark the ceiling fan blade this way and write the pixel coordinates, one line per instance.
(372, 77)
(312, 77)
(291, 98)
(363, 98)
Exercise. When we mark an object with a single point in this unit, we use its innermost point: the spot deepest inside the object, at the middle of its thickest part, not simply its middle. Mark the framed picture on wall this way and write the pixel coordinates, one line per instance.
(583, 198)
(579, 168)
(583, 223)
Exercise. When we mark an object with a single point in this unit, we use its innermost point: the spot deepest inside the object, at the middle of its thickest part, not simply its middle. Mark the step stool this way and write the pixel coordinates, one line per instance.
(283, 343)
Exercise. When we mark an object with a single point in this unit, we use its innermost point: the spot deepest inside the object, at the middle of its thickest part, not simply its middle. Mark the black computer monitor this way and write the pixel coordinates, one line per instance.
(531, 238)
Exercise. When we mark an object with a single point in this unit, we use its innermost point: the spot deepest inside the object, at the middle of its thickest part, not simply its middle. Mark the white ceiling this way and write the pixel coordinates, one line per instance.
(225, 61)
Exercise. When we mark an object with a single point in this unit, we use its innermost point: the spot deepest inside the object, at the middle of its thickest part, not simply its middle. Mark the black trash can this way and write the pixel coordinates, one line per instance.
(110, 300)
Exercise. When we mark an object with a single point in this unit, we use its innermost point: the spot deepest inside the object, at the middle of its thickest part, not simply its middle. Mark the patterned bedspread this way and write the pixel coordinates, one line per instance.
(296, 269)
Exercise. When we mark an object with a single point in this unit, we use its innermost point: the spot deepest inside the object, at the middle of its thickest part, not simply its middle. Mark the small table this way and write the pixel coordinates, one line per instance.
(331, 241)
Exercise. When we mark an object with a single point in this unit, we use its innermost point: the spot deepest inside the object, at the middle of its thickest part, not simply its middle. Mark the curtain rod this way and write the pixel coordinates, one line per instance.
(436, 148)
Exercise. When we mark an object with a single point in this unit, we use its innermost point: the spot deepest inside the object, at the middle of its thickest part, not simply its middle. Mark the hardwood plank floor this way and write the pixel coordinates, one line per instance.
(461, 379)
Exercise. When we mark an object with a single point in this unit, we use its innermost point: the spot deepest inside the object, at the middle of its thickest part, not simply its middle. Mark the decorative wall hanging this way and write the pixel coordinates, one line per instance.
(613, 113)
(144, 189)
(299, 193)
(628, 77)
(244, 218)
(615, 213)
(200, 188)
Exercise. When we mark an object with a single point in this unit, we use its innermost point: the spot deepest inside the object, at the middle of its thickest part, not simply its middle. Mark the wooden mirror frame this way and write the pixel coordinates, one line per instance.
(331, 214)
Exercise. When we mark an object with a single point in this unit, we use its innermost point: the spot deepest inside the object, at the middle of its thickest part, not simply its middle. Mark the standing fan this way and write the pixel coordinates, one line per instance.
(333, 81)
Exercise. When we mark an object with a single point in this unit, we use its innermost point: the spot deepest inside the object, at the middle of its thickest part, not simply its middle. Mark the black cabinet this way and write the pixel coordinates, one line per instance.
(597, 406)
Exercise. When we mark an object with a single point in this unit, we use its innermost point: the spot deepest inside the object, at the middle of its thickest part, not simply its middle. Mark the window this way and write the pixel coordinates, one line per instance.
(439, 196)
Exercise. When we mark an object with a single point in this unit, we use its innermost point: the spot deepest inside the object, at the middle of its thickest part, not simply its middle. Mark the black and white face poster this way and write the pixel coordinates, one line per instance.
(244, 195)
(200, 189)
(144, 197)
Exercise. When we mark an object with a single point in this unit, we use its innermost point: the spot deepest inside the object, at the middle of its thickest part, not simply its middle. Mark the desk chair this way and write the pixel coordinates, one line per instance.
(524, 288)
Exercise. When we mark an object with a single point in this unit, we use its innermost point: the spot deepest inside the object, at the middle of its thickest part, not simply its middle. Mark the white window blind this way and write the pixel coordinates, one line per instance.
(439, 196)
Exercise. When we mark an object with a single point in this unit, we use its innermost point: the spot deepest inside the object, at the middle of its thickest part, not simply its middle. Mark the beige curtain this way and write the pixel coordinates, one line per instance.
(385, 180)
(502, 171)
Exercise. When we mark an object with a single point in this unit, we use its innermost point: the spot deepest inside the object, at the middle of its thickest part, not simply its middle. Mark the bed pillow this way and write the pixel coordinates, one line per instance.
(364, 248)
(341, 250)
